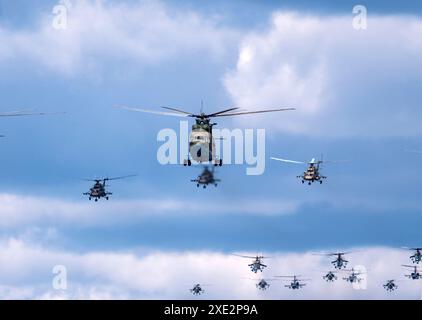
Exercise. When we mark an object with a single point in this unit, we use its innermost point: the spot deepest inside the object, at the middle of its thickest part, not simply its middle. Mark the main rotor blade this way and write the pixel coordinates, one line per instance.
(253, 112)
(177, 110)
(27, 113)
(288, 161)
(122, 177)
(154, 112)
(408, 248)
(220, 112)
(238, 255)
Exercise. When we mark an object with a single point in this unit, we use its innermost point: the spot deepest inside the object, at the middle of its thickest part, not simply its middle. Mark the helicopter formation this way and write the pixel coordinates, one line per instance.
(296, 282)
(202, 150)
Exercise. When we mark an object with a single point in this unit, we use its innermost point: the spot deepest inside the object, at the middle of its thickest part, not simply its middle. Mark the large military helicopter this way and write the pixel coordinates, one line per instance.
(312, 173)
(201, 141)
(415, 274)
(330, 276)
(353, 277)
(417, 256)
(206, 178)
(339, 262)
(256, 264)
(98, 190)
(295, 283)
(390, 285)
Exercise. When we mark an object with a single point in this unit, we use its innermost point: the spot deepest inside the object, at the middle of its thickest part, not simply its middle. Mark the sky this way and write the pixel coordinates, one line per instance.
(357, 96)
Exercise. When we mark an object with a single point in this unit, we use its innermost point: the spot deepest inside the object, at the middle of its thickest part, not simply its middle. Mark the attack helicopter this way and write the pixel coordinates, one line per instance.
(390, 285)
(256, 264)
(201, 141)
(415, 274)
(417, 256)
(206, 178)
(295, 283)
(353, 276)
(263, 284)
(330, 276)
(197, 290)
(339, 262)
(312, 173)
(98, 190)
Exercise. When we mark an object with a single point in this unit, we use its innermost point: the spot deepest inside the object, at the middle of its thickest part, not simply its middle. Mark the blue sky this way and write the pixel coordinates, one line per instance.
(357, 95)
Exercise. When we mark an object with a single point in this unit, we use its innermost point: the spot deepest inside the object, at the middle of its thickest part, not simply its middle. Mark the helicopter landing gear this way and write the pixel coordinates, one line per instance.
(218, 163)
(215, 185)
(303, 181)
(89, 198)
(106, 198)
(96, 199)
(309, 183)
(197, 185)
(205, 187)
(320, 182)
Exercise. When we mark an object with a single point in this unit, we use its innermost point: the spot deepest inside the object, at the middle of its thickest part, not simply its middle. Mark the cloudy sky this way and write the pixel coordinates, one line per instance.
(357, 95)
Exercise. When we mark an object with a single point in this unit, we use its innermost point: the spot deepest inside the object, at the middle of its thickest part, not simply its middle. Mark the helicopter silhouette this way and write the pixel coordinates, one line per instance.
(98, 190)
(256, 264)
(206, 178)
(295, 283)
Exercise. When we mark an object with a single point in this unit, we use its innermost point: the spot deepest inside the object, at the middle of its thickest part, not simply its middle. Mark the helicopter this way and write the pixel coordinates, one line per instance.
(312, 173)
(390, 285)
(295, 283)
(98, 190)
(339, 262)
(353, 276)
(206, 178)
(197, 290)
(263, 285)
(415, 274)
(330, 276)
(257, 264)
(201, 141)
(417, 256)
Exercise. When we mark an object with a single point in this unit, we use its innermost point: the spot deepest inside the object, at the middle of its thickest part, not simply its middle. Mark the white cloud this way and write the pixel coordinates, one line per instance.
(27, 273)
(17, 210)
(343, 82)
(142, 32)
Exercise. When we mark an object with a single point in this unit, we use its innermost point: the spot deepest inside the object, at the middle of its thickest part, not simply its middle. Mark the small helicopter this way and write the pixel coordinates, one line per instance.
(201, 141)
(295, 283)
(339, 262)
(206, 178)
(197, 290)
(353, 276)
(98, 190)
(330, 276)
(257, 264)
(390, 285)
(415, 274)
(417, 256)
(312, 173)
(262, 284)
